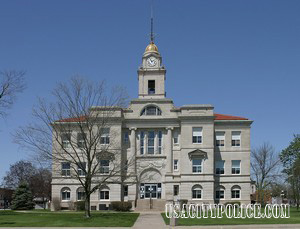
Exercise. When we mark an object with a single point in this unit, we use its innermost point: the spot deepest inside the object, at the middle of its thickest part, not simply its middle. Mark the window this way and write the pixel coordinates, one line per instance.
(151, 110)
(176, 165)
(197, 165)
(65, 194)
(65, 169)
(220, 194)
(220, 167)
(142, 143)
(81, 139)
(126, 166)
(235, 192)
(126, 137)
(80, 194)
(104, 195)
(176, 190)
(236, 138)
(151, 87)
(236, 167)
(197, 192)
(66, 140)
(220, 138)
(175, 137)
(125, 190)
(160, 142)
(81, 170)
(104, 166)
(151, 137)
(197, 135)
(104, 136)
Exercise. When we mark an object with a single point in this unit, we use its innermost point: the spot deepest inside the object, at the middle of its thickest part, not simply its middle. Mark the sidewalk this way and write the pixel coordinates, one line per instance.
(151, 220)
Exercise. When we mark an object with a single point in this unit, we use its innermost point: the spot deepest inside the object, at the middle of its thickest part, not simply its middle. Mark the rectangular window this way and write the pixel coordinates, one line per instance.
(151, 87)
(159, 142)
(197, 135)
(104, 139)
(220, 138)
(126, 137)
(80, 195)
(142, 138)
(151, 137)
(220, 194)
(66, 195)
(235, 194)
(220, 167)
(125, 190)
(235, 166)
(81, 139)
(66, 140)
(176, 165)
(175, 137)
(104, 166)
(236, 138)
(66, 169)
(104, 195)
(197, 165)
(196, 194)
(176, 190)
(81, 169)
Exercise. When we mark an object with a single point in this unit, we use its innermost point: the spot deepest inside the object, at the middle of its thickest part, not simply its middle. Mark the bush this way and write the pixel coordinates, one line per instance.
(22, 198)
(182, 202)
(79, 205)
(233, 202)
(56, 204)
(121, 206)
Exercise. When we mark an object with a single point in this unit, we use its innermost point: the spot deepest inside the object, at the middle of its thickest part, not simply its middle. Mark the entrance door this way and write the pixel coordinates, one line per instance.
(150, 191)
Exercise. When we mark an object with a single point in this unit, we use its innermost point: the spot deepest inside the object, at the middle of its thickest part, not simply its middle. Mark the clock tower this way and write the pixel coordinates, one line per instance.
(152, 74)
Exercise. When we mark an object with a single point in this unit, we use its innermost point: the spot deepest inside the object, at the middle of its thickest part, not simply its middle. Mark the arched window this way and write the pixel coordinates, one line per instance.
(80, 194)
(197, 192)
(65, 194)
(151, 110)
(220, 193)
(236, 192)
(104, 193)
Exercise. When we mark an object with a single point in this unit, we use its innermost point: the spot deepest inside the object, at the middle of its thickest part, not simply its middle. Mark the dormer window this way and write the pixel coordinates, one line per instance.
(151, 110)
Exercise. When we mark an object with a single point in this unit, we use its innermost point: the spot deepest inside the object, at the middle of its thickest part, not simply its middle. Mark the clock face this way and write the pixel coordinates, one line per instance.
(151, 61)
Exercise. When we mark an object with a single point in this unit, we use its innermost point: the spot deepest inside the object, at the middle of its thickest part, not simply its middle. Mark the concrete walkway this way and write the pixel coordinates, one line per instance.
(151, 220)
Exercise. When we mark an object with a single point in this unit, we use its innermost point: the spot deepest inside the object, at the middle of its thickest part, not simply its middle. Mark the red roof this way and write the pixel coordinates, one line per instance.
(228, 117)
(77, 119)
(217, 117)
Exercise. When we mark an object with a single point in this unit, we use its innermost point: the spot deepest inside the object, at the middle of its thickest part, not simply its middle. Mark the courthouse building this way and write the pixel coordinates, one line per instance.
(181, 153)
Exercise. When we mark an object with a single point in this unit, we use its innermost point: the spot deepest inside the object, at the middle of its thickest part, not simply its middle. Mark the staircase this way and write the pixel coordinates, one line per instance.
(144, 205)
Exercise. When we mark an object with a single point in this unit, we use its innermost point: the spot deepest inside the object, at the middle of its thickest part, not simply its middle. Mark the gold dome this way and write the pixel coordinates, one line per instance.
(151, 48)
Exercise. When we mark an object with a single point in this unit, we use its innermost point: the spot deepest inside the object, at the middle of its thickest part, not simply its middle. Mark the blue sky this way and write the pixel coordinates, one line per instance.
(241, 56)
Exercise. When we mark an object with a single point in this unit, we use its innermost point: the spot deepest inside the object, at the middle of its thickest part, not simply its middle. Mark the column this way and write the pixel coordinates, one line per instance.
(169, 149)
(132, 141)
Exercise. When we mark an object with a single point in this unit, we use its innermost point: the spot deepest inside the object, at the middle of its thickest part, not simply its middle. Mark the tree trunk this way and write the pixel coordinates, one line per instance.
(87, 206)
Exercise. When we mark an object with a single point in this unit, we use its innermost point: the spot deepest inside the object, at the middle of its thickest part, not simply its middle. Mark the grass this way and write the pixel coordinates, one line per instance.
(294, 219)
(43, 218)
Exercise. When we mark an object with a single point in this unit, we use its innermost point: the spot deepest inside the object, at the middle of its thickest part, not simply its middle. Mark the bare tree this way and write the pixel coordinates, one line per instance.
(11, 83)
(80, 129)
(19, 172)
(264, 165)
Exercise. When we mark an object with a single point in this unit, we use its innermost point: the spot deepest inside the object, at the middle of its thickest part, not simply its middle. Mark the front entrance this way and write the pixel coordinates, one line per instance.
(150, 191)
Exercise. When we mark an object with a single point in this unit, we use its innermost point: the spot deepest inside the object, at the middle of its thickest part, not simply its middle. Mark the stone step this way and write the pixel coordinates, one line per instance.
(144, 205)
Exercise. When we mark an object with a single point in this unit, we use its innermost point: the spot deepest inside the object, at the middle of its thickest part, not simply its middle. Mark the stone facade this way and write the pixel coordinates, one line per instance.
(186, 152)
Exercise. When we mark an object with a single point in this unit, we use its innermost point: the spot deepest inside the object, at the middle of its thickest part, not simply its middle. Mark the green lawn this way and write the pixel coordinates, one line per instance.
(294, 219)
(65, 219)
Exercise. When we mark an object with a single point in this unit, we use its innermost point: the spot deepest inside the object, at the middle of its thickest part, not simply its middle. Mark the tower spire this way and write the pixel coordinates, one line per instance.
(151, 24)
